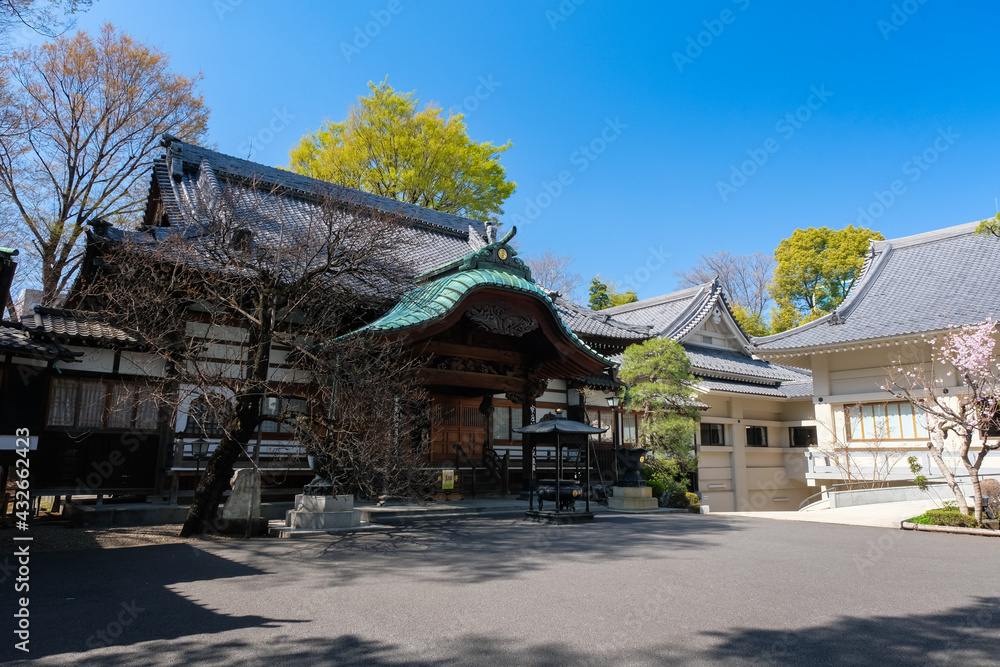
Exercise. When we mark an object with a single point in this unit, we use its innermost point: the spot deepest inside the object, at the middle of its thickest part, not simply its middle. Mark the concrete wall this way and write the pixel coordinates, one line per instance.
(857, 497)
(853, 376)
(736, 477)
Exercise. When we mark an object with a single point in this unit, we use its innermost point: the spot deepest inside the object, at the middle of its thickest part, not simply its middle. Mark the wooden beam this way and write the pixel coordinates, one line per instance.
(473, 352)
(449, 378)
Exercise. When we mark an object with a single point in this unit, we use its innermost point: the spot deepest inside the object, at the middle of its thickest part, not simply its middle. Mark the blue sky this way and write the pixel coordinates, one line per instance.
(676, 128)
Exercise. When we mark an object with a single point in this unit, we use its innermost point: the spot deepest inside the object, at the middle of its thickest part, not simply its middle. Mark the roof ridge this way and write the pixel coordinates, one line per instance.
(657, 300)
(932, 235)
(694, 313)
(863, 286)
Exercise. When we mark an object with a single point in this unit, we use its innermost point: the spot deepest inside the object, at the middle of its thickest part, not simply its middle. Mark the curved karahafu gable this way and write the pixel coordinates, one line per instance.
(494, 268)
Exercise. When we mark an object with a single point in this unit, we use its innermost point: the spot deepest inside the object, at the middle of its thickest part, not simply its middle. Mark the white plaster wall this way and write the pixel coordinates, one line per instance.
(141, 363)
(94, 359)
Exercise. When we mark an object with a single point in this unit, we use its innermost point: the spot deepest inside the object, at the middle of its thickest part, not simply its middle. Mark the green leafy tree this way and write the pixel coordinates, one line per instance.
(604, 295)
(388, 147)
(752, 323)
(815, 269)
(661, 389)
(989, 226)
(599, 297)
(621, 298)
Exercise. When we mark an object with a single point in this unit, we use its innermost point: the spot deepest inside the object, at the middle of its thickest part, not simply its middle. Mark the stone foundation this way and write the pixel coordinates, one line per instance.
(632, 499)
(323, 513)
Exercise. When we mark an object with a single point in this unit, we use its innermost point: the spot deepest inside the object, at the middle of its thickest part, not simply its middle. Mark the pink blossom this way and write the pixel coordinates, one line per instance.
(971, 349)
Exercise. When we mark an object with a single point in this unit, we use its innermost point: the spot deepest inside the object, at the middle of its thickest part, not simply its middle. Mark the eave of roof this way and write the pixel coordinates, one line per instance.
(17, 342)
(69, 326)
(730, 364)
(789, 390)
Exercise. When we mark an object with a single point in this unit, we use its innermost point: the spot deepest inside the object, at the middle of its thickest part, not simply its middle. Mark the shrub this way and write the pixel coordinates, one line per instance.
(946, 516)
(693, 502)
(678, 500)
(672, 489)
(658, 487)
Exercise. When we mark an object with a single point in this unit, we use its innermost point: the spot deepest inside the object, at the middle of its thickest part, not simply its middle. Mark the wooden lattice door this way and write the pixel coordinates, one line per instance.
(456, 421)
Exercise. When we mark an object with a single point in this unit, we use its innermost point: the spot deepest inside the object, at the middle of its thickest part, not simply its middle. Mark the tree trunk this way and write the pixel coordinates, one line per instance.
(211, 486)
(245, 420)
(977, 490)
(949, 477)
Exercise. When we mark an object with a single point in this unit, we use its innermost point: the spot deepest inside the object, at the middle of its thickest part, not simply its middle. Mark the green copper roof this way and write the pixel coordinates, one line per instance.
(483, 268)
(436, 299)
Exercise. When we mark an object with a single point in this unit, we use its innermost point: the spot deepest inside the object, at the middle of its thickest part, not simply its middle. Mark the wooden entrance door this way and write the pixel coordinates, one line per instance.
(457, 421)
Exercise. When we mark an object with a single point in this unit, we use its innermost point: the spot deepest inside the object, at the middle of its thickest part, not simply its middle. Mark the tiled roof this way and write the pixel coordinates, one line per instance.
(709, 361)
(587, 322)
(799, 389)
(191, 179)
(912, 285)
(678, 314)
(662, 313)
(14, 340)
(70, 326)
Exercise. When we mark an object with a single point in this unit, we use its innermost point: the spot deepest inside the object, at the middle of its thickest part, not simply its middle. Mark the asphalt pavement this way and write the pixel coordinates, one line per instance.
(666, 589)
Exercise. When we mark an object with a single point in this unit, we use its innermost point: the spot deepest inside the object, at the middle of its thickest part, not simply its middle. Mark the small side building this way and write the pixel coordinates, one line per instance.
(757, 421)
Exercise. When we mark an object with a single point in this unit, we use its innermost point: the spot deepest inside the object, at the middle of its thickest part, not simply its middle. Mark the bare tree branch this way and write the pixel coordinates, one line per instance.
(744, 277)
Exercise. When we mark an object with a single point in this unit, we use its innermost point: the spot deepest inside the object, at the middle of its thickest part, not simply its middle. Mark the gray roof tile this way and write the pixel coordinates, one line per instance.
(706, 361)
(912, 285)
(662, 312)
(190, 179)
(586, 322)
(72, 326)
(16, 341)
(799, 389)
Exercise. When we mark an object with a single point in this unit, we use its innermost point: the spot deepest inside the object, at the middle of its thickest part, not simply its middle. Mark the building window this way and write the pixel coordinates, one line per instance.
(886, 421)
(756, 436)
(202, 419)
(713, 434)
(506, 418)
(275, 406)
(100, 404)
(630, 428)
(802, 436)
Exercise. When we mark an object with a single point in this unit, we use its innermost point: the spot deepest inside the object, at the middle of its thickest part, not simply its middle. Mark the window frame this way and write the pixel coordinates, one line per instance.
(761, 431)
(279, 428)
(109, 410)
(711, 426)
(861, 416)
(791, 436)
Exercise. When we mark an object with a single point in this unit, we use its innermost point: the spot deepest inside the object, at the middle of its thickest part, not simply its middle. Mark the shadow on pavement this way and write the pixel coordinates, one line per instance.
(961, 636)
(479, 549)
(122, 597)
